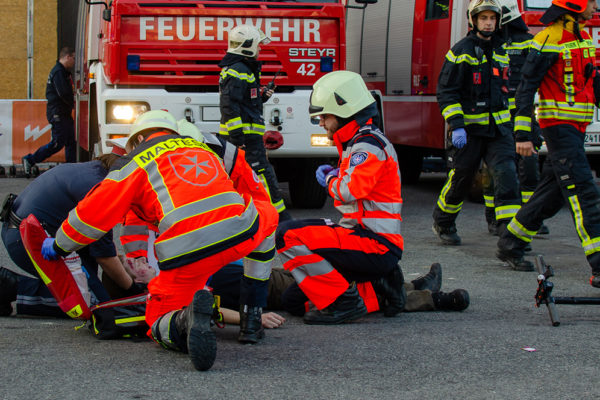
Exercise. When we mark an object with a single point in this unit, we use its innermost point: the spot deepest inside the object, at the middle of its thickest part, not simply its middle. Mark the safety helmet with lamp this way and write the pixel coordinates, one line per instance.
(340, 93)
(152, 120)
(244, 40)
(478, 6)
(510, 11)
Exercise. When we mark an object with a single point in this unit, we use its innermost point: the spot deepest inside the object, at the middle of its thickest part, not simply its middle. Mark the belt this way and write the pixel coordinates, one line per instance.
(13, 220)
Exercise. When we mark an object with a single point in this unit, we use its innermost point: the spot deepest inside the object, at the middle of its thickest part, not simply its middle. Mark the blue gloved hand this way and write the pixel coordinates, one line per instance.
(48, 251)
(333, 173)
(459, 138)
(322, 172)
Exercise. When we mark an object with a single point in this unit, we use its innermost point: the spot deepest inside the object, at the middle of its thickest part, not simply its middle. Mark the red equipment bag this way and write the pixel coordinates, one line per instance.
(54, 273)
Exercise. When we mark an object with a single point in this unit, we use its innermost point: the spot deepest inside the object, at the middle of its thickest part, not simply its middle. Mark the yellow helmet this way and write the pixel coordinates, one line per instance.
(340, 93)
(186, 128)
(477, 6)
(150, 120)
(244, 40)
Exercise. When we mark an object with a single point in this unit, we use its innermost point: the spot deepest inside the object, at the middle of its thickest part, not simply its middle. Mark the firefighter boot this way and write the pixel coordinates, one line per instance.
(447, 235)
(391, 288)
(595, 279)
(8, 291)
(493, 228)
(517, 263)
(27, 165)
(457, 300)
(349, 306)
(251, 329)
(432, 281)
(543, 230)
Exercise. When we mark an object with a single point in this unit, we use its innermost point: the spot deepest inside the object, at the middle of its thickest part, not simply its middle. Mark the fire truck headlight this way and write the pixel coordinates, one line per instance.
(320, 140)
(124, 112)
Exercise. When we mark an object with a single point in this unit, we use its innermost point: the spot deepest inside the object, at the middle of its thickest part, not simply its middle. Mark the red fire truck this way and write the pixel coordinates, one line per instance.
(398, 46)
(133, 56)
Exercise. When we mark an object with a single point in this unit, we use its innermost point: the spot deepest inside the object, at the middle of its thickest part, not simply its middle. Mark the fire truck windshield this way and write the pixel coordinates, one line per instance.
(537, 4)
(288, 1)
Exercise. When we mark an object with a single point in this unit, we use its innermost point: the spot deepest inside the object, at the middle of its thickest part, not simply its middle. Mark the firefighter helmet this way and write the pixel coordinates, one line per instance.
(510, 11)
(149, 120)
(577, 6)
(477, 6)
(186, 128)
(340, 93)
(244, 40)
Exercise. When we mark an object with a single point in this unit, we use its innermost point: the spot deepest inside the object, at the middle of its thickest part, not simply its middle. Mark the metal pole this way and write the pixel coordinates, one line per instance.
(30, 49)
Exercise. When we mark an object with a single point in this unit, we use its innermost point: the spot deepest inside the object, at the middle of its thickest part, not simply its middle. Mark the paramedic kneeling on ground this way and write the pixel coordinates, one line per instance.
(179, 185)
(326, 258)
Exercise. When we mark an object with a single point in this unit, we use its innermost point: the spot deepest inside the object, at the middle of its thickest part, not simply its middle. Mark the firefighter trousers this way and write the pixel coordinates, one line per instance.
(256, 156)
(498, 152)
(566, 178)
(324, 257)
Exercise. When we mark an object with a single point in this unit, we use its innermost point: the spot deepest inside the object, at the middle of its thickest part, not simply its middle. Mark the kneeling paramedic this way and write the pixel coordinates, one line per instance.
(326, 258)
(180, 185)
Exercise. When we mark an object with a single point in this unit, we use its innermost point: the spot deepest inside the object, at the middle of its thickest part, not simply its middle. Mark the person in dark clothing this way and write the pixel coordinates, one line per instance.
(517, 39)
(241, 103)
(59, 93)
(472, 95)
(560, 68)
(50, 197)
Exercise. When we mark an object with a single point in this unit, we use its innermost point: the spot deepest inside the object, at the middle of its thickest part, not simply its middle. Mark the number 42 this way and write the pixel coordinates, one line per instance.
(307, 69)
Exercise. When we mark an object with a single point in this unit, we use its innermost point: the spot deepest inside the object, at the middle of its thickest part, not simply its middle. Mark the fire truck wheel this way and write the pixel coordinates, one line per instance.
(305, 191)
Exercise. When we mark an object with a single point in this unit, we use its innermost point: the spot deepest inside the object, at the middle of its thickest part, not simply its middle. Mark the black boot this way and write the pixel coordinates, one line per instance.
(347, 307)
(543, 230)
(251, 329)
(194, 322)
(515, 262)
(391, 288)
(493, 228)
(8, 291)
(447, 235)
(432, 281)
(457, 300)
(595, 279)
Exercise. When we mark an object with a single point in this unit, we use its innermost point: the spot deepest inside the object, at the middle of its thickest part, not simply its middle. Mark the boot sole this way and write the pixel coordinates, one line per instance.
(514, 266)
(201, 340)
(252, 338)
(360, 312)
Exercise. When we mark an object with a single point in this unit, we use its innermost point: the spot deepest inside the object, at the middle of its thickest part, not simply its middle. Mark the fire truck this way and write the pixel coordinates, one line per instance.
(134, 56)
(399, 46)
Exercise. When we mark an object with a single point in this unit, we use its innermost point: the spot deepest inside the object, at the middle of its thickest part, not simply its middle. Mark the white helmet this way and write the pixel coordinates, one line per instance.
(340, 93)
(477, 6)
(244, 40)
(186, 128)
(149, 120)
(510, 11)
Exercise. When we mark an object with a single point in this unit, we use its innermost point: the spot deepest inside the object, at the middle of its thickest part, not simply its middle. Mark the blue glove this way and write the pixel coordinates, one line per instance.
(333, 173)
(48, 251)
(459, 138)
(322, 172)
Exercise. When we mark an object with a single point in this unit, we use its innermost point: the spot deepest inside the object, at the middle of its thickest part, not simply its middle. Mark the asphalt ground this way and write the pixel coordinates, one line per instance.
(475, 354)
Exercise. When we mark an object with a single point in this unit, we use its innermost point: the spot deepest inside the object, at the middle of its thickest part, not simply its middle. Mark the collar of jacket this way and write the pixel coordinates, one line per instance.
(343, 135)
(568, 22)
(231, 59)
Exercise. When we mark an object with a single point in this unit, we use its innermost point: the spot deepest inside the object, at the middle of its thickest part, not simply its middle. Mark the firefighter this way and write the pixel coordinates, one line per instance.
(327, 258)
(50, 197)
(560, 67)
(517, 39)
(472, 95)
(59, 93)
(180, 185)
(241, 104)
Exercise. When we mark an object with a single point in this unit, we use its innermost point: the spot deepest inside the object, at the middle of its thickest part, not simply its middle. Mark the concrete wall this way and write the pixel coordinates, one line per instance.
(13, 52)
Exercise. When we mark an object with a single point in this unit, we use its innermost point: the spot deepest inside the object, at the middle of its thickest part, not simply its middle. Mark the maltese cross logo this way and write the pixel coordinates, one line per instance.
(194, 166)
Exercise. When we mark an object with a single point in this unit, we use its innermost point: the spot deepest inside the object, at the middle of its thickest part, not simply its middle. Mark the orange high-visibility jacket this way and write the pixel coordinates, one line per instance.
(367, 190)
(177, 184)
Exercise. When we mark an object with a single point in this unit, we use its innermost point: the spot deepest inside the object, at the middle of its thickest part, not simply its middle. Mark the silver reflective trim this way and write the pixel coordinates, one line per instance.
(83, 228)
(123, 173)
(199, 207)
(160, 188)
(134, 230)
(136, 245)
(229, 157)
(381, 225)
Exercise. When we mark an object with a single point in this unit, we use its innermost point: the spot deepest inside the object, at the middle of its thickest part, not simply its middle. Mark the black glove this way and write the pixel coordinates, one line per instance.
(135, 289)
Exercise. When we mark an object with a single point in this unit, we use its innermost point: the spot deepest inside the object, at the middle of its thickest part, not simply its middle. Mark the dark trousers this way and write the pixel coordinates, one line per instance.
(63, 135)
(256, 156)
(566, 178)
(498, 152)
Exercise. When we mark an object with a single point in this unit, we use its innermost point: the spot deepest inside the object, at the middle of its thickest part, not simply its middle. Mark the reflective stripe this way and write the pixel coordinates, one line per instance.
(129, 230)
(452, 110)
(257, 264)
(578, 217)
(441, 203)
(502, 59)
(229, 157)
(520, 231)
(256, 129)
(234, 123)
(526, 196)
(160, 188)
(82, 228)
(250, 78)
(517, 45)
(502, 117)
(511, 103)
(505, 212)
(466, 58)
(207, 236)
(279, 206)
(523, 124)
(591, 246)
(489, 201)
(212, 203)
(135, 245)
(480, 119)
(383, 225)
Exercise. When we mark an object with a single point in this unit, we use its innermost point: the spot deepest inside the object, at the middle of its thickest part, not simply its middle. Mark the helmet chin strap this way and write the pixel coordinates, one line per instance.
(486, 33)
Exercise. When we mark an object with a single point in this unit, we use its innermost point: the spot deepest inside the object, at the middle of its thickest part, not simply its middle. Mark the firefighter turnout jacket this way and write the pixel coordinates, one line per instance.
(59, 92)
(561, 63)
(472, 88)
(241, 102)
(179, 185)
(517, 48)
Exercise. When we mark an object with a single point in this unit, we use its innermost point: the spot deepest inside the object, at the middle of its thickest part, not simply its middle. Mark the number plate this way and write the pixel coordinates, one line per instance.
(592, 139)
